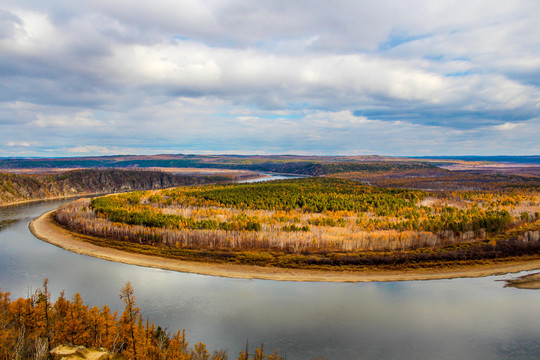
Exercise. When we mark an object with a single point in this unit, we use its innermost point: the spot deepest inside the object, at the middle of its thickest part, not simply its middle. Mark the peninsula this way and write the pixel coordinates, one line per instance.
(344, 218)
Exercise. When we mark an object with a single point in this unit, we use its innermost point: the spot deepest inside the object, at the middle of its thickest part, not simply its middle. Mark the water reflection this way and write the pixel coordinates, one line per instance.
(443, 319)
(272, 176)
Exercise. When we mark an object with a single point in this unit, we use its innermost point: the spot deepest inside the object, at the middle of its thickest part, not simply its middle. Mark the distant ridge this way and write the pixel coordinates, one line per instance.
(16, 188)
(525, 159)
(290, 164)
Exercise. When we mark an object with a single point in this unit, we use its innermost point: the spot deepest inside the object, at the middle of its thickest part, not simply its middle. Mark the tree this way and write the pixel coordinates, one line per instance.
(128, 322)
(108, 330)
(61, 311)
(43, 310)
(8, 335)
(77, 322)
(178, 347)
(200, 352)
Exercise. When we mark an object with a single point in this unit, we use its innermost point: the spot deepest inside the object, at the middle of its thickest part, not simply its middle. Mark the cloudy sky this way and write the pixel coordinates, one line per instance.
(269, 77)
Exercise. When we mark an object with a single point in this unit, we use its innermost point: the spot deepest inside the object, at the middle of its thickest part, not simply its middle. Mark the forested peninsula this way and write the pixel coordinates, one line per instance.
(320, 223)
(348, 214)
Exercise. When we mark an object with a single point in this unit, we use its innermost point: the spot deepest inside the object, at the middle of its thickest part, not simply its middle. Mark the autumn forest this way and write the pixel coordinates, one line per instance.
(319, 222)
(31, 327)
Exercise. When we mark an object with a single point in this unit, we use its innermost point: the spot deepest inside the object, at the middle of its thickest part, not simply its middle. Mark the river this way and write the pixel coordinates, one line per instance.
(437, 319)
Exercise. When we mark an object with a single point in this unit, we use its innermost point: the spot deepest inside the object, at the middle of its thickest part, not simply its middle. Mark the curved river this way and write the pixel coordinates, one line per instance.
(437, 319)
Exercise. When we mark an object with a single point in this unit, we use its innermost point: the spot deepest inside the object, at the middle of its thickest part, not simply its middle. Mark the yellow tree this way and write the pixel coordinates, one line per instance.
(177, 349)
(94, 327)
(7, 333)
(200, 352)
(61, 310)
(108, 330)
(23, 315)
(77, 322)
(128, 323)
(42, 300)
(244, 354)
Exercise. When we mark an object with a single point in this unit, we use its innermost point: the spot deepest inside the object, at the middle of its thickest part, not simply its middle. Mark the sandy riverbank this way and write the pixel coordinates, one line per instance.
(45, 228)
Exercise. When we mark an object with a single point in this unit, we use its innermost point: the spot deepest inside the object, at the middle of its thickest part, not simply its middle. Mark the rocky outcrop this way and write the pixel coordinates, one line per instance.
(65, 352)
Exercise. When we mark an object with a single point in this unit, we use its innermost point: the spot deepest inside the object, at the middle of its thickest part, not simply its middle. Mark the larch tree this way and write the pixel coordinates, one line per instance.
(128, 322)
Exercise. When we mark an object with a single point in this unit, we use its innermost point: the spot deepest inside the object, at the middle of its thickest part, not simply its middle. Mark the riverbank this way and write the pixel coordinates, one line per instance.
(54, 198)
(46, 229)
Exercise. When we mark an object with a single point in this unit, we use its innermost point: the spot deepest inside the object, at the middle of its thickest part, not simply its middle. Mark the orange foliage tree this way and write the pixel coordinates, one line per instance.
(30, 327)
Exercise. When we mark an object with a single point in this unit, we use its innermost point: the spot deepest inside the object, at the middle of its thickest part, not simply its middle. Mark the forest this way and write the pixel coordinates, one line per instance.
(30, 327)
(312, 222)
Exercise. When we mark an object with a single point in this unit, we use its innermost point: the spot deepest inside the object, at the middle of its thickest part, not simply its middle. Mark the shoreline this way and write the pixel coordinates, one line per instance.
(46, 229)
(529, 282)
(29, 201)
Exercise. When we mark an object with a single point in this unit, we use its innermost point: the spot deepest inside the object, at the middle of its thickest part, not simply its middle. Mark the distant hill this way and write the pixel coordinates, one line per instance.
(528, 159)
(289, 164)
(15, 187)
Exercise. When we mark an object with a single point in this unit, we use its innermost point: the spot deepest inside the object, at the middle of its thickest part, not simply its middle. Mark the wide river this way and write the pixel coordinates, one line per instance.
(437, 319)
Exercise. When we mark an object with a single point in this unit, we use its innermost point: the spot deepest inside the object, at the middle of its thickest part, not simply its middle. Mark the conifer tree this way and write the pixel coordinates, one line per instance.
(128, 322)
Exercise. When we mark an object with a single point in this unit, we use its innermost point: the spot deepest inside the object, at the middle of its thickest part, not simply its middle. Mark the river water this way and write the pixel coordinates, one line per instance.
(436, 319)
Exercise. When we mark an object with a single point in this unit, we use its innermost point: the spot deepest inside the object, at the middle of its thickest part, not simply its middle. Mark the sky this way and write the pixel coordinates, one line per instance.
(403, 78)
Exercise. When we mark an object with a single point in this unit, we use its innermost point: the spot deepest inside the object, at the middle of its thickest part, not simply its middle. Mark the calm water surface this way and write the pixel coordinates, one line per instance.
(437, 319)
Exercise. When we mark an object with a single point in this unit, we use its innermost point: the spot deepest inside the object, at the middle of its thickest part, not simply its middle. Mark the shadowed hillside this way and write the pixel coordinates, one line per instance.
(15, 187)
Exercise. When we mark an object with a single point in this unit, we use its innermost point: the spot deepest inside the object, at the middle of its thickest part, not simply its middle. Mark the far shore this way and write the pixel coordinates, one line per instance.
(46, 229)
(184, 171)
(30, 201)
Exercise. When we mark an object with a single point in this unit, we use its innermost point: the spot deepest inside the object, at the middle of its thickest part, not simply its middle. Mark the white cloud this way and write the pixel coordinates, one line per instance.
(93, 149)
(21, 143)
(325, 81)
(507, 126)
(273, 76)
(79, 119)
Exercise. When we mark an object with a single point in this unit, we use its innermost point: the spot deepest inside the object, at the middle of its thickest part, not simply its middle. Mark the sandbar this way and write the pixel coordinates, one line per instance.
(45, 228)
(531, 282)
